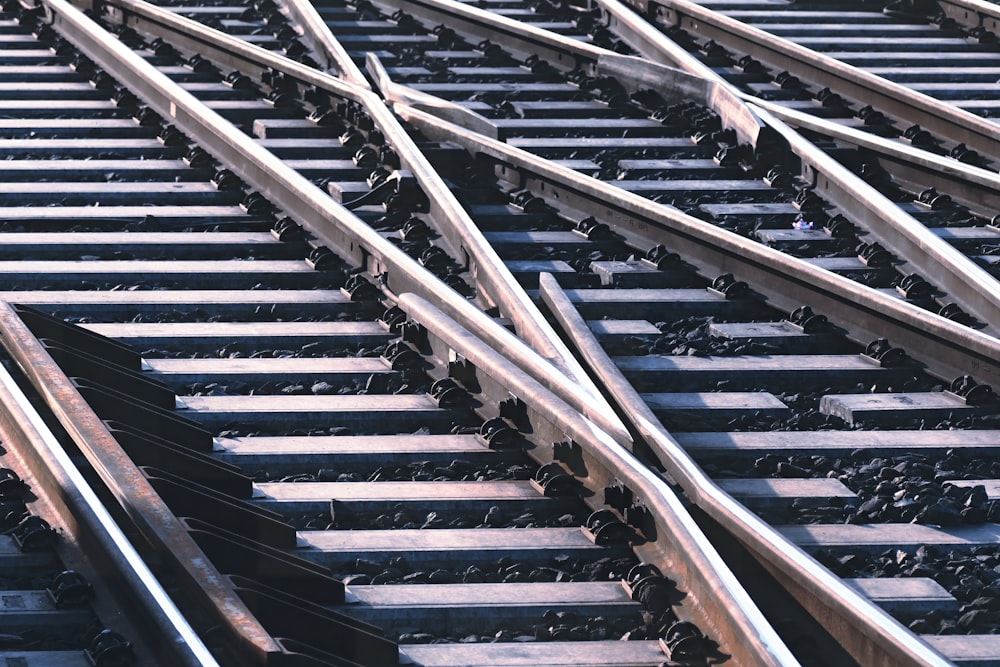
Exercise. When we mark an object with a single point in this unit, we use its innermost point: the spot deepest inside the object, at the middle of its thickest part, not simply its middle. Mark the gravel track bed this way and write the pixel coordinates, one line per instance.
(972, 576)
(909, 488)
(403, 383)
(402, 519)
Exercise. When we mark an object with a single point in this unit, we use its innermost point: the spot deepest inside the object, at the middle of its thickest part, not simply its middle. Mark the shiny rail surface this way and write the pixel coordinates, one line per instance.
(917, 253)
(902, 107)
(470, 142)
(472, 259)
(618, 335)
(96, 585)
(923, 249)
(909, 164)
(656, 334)
(142, 277)
(903, 173)
(416, 103)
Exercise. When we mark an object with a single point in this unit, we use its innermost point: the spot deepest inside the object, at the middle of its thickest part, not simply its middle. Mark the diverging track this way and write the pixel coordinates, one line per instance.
(311, 395)
(428, 461)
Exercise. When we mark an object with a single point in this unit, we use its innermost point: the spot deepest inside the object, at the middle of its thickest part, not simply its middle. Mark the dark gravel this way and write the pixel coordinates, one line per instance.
(908, 488)
(972, 576)
(505, 570)
(553, 626)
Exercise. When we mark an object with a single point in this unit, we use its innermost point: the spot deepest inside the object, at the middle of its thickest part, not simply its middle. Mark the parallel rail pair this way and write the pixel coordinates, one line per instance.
(399, 274)
(533, 173)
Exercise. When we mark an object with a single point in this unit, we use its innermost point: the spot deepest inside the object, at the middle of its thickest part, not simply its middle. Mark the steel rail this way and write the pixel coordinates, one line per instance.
(651, 43)
(331, 224)
(869, 633)
(948, 349)
(906, 236)
(965, 282)
(524, 41)
(455, 113)
(973, 186)
(635, 74)
(138, 598)
(318, 37)
(599, 462)
(973, 13)
(198, 578)
(494, 280)
(897, 101)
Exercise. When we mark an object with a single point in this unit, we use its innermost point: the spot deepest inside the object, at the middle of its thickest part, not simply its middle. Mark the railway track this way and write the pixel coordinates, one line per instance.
(793, 55)
(277, 368)
(493, 550)
(844, 216)
(75, 592)
(867, 117)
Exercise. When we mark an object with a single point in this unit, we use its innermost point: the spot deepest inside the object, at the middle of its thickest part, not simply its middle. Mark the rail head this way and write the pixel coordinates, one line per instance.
(787, 282)
(668, 535)
(943, 120)
(973, 15)
(651, 43)
(495, 285)
(330, 224)
(973, 185)
(720, 96)
(870, 634)
(964, 282)
(566, 54)
(969, 185)
(138, 598)
(913, 241)
(203, 586)
(317, 35)
(396, 92)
